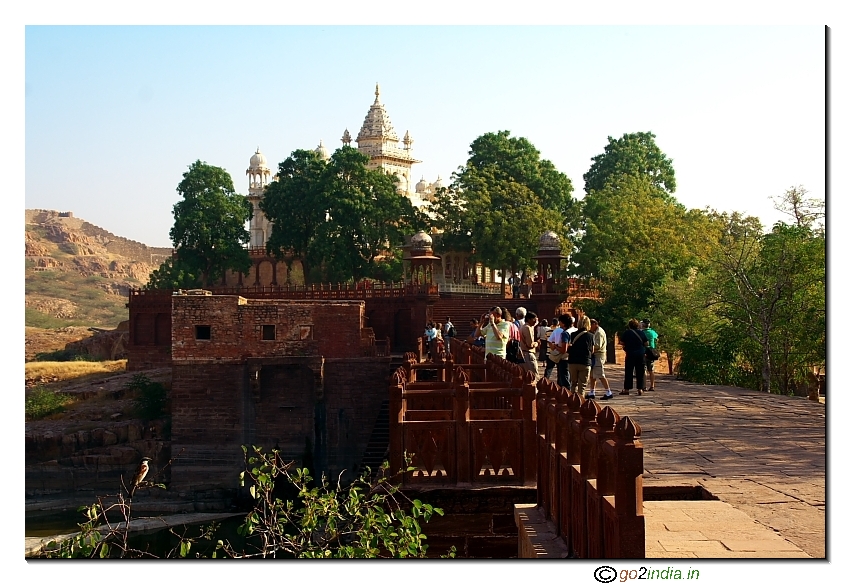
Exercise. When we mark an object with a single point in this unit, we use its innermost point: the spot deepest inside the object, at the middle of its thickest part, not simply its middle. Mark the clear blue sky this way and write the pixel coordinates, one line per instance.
(115, 114)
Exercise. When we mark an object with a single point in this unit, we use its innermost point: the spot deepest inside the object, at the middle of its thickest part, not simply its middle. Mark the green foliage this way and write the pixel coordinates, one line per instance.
(389, 269)
(88, 543)
(501, 201)
(338, 216)
(151, 397)
(772, 286)
(362, 520)
(716, 361)
(41, 402)
(633, 241)
(634, 155)
(56, 356)
(209, 230)
(174, 275)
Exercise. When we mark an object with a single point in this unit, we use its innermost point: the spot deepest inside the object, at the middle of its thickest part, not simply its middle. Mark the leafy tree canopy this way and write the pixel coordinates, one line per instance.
(209, 232)
(768, 284)
(502, 200)
(634, 155)
(633, 240)
(339, 217)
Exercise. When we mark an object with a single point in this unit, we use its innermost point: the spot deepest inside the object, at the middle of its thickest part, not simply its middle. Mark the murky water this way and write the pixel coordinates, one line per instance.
(159, 543)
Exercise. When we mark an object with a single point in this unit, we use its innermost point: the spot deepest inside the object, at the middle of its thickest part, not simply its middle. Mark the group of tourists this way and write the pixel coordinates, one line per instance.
(575, 347)
(437, 338)
(639, 342)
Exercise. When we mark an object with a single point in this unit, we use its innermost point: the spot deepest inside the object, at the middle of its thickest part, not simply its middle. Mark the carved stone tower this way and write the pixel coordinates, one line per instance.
(258, 178)
(378, 140)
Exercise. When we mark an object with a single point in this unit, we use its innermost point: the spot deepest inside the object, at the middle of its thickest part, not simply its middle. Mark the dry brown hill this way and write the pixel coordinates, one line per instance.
(78, 275)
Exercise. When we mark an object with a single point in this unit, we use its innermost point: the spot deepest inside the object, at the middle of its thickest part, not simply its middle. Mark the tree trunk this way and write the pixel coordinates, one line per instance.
(765, 366)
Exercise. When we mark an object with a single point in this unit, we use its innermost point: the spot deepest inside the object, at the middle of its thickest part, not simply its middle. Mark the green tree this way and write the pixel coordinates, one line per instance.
(209, 231)
(296, 204)
(632, 241)
(502, 200)
(351, 216)
(634, 155)
(772, 286)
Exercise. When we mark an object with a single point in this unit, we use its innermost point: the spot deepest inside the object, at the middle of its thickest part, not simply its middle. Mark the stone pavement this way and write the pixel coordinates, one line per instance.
(763, 455)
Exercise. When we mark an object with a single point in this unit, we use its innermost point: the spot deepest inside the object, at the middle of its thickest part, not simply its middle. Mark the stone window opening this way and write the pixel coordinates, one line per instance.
(268, 332)
(203, 332)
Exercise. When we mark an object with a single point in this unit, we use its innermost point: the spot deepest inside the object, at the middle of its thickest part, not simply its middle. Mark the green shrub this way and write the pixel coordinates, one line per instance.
(41, 402)
(151, 397)
(715, 362)
(55, 356)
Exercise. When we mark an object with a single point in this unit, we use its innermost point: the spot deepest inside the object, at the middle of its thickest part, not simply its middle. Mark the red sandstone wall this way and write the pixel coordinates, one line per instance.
(353, 393)
(299, 405)
(149, 342)
(301, 328)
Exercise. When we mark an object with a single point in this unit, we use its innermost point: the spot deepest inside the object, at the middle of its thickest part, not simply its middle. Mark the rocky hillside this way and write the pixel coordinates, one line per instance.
(78, 274)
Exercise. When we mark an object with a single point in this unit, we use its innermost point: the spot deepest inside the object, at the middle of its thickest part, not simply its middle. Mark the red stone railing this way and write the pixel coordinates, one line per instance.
(326, 291)
(371, 346)
(589, 475)
(462, 431)
(467, 420)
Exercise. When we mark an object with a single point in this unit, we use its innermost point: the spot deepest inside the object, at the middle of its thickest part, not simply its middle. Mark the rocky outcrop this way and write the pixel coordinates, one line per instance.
(95, 251)
(102, 345)
(80, 273)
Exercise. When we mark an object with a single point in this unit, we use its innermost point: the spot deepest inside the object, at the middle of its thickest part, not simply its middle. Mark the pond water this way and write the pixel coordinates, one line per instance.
(159, 543)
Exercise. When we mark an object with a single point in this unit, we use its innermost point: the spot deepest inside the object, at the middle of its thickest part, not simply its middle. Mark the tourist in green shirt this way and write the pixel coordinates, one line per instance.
(496, 332)
(652, 337)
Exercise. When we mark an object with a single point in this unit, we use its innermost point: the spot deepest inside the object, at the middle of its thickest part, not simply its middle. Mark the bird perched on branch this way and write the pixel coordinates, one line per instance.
(141, 472)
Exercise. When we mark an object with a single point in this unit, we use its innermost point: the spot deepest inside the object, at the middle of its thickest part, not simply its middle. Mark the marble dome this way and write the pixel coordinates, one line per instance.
(322, 151)
(549, 241)
(421, 240)
(258, 160)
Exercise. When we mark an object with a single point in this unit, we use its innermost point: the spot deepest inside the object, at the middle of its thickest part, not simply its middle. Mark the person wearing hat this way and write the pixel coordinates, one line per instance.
(652, 337)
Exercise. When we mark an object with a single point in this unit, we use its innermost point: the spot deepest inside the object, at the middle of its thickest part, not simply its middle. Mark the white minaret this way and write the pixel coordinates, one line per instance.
(258, 178)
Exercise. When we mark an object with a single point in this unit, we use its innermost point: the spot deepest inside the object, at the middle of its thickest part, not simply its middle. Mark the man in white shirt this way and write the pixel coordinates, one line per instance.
(560, 340)
(597, 369)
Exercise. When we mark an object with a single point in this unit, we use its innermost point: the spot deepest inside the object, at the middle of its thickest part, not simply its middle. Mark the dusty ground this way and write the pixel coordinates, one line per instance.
(99, 401)
(42, 340)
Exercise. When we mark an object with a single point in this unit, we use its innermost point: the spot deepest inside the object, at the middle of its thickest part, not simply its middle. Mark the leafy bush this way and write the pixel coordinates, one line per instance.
(362, 520)
(41, 402)
(717, 362)
(151, 397)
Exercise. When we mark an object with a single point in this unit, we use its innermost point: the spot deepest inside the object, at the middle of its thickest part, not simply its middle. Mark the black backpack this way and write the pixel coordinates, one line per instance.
(451, 331)
(513, 353)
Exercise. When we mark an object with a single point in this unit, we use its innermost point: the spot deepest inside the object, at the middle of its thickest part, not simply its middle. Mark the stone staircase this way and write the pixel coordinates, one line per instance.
(378, 447)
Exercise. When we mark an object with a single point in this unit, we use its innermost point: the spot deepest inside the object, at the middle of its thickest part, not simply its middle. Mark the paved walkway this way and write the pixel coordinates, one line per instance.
(762, 454)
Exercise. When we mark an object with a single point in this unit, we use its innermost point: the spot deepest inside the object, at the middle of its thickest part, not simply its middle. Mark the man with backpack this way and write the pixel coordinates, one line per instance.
(448, 332)
(651, 351)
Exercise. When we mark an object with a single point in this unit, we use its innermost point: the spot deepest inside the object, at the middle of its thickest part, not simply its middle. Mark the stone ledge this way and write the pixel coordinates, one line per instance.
(538, 538)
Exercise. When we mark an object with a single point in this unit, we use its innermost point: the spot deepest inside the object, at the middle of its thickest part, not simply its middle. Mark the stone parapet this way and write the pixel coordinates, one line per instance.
(537, 537)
